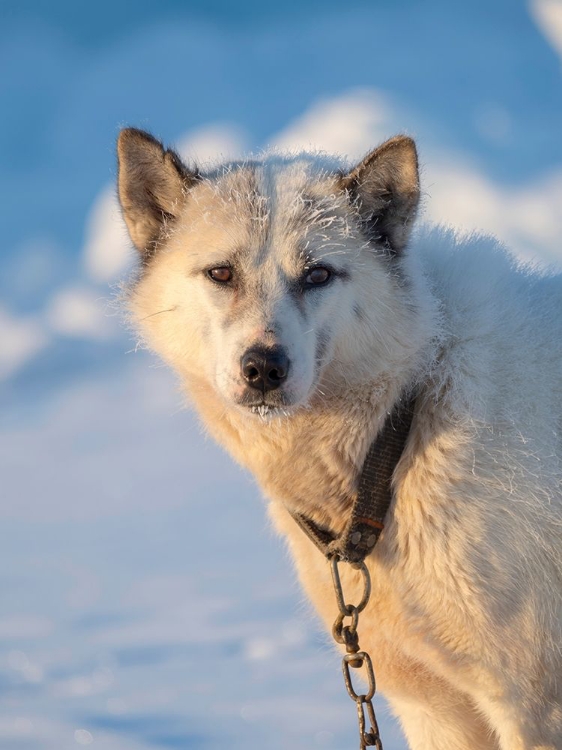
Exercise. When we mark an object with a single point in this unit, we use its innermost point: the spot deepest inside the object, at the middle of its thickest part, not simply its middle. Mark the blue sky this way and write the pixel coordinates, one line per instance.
(107, 481)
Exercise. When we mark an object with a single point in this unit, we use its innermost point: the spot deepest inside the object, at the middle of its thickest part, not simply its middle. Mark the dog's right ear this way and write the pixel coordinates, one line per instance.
(153, 182)
(385, 189)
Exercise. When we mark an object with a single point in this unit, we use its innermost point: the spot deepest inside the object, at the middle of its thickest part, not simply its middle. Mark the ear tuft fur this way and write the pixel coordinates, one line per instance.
(152, 184)
(385, 189)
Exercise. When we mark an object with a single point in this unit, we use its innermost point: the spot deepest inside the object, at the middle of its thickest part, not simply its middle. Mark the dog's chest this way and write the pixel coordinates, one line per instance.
(311, 468)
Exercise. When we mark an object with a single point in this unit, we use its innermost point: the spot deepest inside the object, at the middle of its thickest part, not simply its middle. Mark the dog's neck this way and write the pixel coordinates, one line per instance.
(310, 460)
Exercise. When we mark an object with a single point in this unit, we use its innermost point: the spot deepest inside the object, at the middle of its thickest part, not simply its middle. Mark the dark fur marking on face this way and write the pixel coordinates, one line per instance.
(358, 312)
(341, 273)
(244, 297)
(297, 294)
(320, 352)
(234, 297)
(321, 345)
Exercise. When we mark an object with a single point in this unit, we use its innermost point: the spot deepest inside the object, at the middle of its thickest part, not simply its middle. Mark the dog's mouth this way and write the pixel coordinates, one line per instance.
(266, 407)
(266, 410)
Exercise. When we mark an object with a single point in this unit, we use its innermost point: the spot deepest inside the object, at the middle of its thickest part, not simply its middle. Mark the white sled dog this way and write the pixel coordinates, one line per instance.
(297, 307)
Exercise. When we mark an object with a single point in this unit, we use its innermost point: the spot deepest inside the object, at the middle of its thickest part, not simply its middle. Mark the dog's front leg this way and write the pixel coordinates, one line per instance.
(439, 717)
(530, 722)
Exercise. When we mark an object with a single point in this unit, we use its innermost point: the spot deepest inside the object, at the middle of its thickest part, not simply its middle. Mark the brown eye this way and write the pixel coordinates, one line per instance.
(318, 276)
(221, 274)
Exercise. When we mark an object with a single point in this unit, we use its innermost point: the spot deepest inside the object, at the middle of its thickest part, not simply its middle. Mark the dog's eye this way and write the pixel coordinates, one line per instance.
(221, 274)
(317, 276)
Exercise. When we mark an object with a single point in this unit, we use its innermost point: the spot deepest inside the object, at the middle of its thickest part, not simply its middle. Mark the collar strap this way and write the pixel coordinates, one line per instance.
(374, 493)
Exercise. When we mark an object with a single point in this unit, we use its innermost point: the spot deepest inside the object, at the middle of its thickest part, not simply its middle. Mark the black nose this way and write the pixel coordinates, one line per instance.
(264, 369)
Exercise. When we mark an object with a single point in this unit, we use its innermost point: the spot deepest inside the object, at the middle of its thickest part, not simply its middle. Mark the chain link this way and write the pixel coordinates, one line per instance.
(346, 634)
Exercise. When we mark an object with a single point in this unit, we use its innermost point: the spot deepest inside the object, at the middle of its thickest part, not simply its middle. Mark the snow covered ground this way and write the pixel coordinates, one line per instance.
(126, 620)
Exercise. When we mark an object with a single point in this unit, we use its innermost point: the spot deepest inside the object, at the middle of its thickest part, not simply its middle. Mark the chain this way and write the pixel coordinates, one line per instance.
(346, 634)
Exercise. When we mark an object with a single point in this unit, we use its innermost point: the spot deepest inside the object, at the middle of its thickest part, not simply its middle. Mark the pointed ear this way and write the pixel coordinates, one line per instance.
(152, 184)
(385, 189)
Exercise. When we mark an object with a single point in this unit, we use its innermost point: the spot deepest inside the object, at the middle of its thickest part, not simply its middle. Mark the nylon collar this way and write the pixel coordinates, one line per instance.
(374, 492)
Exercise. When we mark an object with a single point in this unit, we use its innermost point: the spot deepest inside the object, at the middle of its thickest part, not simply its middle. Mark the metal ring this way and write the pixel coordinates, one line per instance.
(374, 724)
(338, 628)
(372, 737)
(338, 624)
(342, 606)
(367, 588)
(366, 660)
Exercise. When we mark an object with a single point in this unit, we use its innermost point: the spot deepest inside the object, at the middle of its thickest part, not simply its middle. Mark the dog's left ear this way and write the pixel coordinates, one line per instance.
(385, 189)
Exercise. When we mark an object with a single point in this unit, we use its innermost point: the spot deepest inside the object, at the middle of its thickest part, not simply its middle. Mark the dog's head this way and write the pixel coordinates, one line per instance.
(272, 282)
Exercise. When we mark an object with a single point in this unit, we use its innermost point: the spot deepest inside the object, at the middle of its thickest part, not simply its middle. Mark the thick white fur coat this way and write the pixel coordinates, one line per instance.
(464, 623)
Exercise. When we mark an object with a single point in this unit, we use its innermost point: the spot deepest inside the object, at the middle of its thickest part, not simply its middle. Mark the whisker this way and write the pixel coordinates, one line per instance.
(170, 309)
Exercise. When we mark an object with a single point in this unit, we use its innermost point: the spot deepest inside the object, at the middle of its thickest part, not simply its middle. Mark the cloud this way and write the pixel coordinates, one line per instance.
(107, 249)
(79, 312)
(526, 218)
(23, 626)
(349, 124)
(212, 143)
(547, 14)
(22, 339)
(75, 311)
